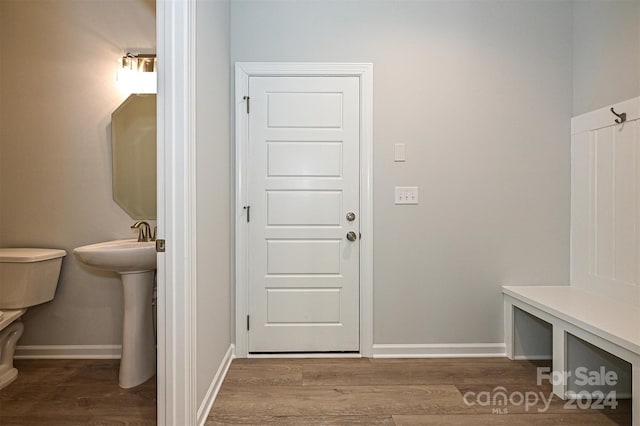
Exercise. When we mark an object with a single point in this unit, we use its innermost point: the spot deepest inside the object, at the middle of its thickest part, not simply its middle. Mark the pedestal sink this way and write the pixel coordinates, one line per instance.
(135, 262)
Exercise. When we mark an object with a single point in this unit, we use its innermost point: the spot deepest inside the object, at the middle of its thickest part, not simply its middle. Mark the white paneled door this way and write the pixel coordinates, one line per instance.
(303, 230)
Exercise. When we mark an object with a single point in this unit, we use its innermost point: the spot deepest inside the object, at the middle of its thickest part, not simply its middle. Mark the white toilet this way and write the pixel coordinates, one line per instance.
(28, 277)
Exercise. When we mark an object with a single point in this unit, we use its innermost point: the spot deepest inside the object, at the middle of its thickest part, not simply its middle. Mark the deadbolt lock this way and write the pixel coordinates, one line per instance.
(351, 216)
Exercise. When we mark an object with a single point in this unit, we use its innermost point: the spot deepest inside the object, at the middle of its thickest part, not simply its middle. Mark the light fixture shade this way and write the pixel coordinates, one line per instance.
(137, 74)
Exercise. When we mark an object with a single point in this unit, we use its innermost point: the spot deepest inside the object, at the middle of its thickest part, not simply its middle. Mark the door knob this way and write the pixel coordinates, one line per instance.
(351, 236)
(351, 216)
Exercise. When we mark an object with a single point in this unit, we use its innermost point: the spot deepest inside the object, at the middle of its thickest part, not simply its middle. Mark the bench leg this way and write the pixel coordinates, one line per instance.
(508, 327)
(635, 392)
(559, 360)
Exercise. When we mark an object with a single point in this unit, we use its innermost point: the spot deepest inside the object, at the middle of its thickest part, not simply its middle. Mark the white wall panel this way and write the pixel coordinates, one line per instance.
(625, 233)
(603, 204)
(605, 216)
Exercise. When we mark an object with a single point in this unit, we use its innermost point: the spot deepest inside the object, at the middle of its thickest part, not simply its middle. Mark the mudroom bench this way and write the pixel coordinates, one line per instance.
(608, 324)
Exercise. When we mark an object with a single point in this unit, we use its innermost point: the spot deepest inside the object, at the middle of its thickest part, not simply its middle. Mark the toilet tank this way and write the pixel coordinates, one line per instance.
(28, 276)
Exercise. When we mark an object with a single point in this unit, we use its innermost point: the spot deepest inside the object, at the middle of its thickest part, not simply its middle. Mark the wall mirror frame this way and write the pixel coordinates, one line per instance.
(133, 144)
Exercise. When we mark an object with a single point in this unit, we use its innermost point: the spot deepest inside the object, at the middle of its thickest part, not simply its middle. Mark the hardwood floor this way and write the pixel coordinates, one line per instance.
(299, 392)
(391, 392)
(75, 392)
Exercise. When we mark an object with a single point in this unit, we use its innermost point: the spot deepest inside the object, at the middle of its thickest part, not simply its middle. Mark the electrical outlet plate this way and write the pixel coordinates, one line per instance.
(406, 195)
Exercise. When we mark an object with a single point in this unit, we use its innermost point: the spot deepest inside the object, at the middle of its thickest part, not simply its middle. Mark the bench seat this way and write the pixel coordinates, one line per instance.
(611, 325)
(612, 320)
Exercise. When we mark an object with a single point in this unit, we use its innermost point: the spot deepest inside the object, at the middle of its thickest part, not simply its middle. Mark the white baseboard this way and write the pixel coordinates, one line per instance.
(306, 355)
(451, 350)
(68, 352)
(532, 357)
(215, 385)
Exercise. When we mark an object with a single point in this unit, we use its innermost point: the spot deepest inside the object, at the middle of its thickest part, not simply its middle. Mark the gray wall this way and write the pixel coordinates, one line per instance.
(481, 94)
(606, 53)
(58, 89)
(212, 190)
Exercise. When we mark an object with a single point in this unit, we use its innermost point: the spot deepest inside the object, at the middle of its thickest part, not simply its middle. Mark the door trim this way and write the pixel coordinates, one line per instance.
(176, 351)
(244, 70)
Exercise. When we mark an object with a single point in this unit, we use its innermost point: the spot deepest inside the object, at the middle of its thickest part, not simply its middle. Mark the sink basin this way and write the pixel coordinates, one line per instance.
(122, 256)
(136, 263)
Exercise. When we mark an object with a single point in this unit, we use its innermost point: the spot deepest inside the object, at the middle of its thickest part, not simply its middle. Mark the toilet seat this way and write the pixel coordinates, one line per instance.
(9, 317)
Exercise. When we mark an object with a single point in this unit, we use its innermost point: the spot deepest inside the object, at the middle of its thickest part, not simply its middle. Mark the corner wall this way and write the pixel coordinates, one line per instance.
(213, 198)
(58, 90)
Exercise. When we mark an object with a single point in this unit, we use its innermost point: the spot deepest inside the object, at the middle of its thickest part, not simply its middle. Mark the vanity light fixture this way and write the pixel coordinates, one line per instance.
(137, 73)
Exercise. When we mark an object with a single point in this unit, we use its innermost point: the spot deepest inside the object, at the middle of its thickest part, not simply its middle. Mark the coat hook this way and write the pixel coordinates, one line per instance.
(622, 117)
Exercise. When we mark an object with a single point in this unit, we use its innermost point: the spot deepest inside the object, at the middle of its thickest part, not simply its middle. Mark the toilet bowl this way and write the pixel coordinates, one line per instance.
(28, 277)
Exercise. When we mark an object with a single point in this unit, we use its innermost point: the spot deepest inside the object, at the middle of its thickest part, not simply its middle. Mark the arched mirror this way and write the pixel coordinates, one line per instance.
(133, 139)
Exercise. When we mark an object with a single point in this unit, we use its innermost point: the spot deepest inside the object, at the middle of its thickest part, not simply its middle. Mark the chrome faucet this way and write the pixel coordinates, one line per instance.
(144, 231)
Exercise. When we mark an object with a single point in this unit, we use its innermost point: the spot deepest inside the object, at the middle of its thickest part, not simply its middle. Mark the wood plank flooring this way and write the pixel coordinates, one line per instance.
(390, 392)
(298, 392)
(75, 392)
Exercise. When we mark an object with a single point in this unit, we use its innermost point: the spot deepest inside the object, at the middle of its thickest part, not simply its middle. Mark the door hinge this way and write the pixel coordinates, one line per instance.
(160, 246)
(248, 99)
(248, 323)
(248, 209)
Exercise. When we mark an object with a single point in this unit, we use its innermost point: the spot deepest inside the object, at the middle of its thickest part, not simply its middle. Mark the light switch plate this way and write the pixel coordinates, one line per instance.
(406, 195)
(399, 152)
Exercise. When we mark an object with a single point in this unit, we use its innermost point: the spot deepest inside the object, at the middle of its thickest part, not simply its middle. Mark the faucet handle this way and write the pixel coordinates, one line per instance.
(144, 230)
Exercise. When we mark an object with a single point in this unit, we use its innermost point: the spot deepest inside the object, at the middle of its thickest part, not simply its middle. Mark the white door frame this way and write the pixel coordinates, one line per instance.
(176, 367)
(364, 72)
